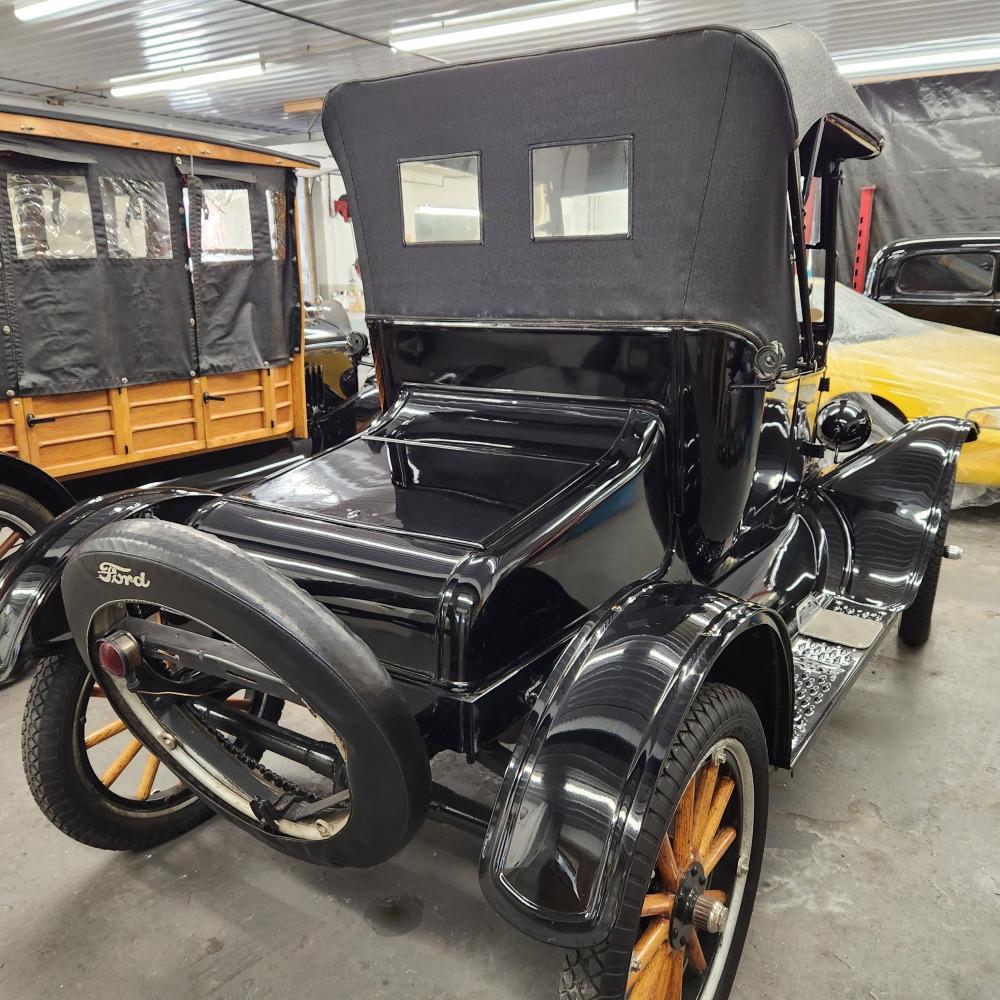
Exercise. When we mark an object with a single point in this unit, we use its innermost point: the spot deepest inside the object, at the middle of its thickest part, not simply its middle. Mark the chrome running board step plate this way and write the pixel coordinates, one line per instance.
(831, 646)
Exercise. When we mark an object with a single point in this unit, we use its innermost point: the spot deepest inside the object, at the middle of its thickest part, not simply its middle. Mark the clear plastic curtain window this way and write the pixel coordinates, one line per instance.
(580, 190)
(440, 200)
(136, 218)
(277, 213)
(226, 229)
(51, 216)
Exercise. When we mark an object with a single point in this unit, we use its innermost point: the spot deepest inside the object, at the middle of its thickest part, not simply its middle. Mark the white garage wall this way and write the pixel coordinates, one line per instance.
(328, 241)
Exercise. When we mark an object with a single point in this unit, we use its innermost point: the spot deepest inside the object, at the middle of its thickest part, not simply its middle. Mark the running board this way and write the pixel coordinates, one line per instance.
(831, 646)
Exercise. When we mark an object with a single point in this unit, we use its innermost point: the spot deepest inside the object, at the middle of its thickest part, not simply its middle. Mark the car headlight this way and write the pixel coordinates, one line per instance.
(986, 417)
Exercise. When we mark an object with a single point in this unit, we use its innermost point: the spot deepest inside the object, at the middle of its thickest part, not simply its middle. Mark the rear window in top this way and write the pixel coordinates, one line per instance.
(947, 273)
(580, 190)
(440, 199)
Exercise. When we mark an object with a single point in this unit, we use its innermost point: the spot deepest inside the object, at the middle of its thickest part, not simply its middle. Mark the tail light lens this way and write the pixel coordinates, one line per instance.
(119, 654)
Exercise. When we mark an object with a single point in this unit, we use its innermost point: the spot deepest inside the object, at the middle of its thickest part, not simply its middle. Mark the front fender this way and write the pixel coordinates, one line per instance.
(889, 499)
(32, 576)
(574, 796)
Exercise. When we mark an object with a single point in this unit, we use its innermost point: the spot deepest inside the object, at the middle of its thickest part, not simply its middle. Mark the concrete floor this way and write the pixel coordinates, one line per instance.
(881, 878)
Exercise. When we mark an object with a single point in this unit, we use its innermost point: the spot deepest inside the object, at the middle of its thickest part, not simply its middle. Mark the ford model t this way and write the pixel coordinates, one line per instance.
(589, 543)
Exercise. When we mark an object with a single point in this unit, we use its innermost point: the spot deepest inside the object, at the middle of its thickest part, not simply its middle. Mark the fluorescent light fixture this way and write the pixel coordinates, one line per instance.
(188, 78)
(405, 41)
(896, 62)
(32, 10)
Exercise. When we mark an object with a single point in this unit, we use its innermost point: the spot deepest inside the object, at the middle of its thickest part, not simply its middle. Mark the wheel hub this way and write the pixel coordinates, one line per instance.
(688, 893)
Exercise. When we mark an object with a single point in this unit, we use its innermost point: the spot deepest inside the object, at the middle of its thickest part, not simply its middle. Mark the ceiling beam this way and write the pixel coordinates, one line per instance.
(310, 106)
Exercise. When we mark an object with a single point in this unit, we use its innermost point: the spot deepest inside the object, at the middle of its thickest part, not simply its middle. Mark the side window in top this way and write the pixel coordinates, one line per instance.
(51, 216)
(440, 199)
(277, 223)
(137, 218)
(226, 230)
(947, 273)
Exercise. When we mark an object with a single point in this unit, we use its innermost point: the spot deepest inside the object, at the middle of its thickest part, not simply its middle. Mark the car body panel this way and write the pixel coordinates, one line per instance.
(973, 310)
(922, 370)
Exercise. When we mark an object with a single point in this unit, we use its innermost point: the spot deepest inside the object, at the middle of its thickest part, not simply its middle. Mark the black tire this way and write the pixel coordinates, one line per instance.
(63, 783)
(21, 516)
(719, 711)
(915, 621)
(23, 507)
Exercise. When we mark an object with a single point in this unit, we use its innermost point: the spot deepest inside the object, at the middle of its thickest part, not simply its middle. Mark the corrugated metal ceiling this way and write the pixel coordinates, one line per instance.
(305, 54)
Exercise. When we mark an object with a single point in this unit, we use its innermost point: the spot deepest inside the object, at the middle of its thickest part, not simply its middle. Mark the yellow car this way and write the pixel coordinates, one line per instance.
(915, 368)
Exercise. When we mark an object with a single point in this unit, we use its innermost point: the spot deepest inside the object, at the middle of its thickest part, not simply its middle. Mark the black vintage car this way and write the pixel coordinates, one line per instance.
(946, 279)
(588, 543)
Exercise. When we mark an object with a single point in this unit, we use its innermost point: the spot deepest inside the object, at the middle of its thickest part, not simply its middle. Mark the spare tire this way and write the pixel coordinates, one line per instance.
(190, 573)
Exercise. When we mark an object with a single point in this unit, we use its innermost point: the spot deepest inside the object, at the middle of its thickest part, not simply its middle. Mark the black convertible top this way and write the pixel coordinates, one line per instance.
(710, 116)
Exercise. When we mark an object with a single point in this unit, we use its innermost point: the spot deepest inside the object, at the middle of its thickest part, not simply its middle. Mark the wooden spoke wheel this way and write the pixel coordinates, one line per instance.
(685, 912)
(121, 764)
(692, 877)
(91, 776)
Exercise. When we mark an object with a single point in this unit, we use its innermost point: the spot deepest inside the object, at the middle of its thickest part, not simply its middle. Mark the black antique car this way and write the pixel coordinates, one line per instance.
(588, 544)
(946, 279)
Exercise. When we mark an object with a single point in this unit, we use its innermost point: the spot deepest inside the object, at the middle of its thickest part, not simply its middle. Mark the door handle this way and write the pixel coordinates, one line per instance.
(31, 420)
(206, 396)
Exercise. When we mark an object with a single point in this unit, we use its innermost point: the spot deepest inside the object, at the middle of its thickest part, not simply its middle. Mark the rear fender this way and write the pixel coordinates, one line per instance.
(29, 581)
(37, 483)
(574, 796)
(890, 499)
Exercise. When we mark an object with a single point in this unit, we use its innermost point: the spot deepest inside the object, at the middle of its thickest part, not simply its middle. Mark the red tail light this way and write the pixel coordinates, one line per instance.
(119, 654)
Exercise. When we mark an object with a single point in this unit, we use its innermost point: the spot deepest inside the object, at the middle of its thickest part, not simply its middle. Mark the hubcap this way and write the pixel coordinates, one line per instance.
(685, 931)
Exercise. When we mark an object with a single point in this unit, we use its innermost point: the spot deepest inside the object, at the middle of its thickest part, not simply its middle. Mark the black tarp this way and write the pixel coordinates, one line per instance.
(941, 166)
(246, 309)
(95, 317)
(712, 115)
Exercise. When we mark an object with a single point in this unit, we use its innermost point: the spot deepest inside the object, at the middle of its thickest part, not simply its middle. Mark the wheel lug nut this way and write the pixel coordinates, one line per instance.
(168, 741)
(324, 829)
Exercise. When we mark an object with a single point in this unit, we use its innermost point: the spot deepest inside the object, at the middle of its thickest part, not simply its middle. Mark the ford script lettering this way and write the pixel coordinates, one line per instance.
(123, 576)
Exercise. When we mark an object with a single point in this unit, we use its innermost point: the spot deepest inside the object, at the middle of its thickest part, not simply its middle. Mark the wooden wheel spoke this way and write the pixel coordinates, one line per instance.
(675, 980)
(646, 947)
(718, 895)
(148, 777)
(696, 957)
(718, 848)
(242, 703)
(703, 800)
(658, 904)
(723, 793)
(684, 845)
(104, 733)
(113, 773)
(666, 865)
(9, 542)
(648, 984)
(97, 692)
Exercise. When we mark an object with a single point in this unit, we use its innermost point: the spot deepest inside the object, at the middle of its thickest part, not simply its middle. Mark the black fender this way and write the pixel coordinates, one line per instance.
(574, 796)
(888, 499)
(37, 483)
(30, 579)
